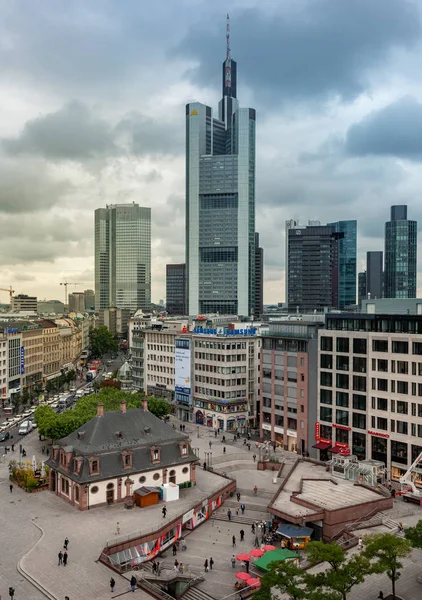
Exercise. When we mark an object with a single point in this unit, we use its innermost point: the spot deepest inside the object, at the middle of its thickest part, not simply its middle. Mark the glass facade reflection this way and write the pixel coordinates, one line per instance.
(347, 251)
(220, 205)
(123, 257)
(400, 255)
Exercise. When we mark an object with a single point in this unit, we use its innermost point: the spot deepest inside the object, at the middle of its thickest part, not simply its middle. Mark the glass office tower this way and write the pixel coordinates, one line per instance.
(123, 257)
(400, 255)
(347, 257)
(220, 203)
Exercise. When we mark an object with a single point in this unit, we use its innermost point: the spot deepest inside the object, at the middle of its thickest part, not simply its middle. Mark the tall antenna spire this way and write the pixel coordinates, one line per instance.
(228, 69)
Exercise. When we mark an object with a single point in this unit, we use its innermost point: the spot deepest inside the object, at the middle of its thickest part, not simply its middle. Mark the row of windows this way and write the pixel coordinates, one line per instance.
(219, 394)
(220, 357)
(359, 345)
(223, 370)
(220, 345)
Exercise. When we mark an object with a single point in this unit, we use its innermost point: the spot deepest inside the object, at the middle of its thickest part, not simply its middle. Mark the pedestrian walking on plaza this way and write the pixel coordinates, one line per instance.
(381, 595)
(65, 558)
(181, 427)
(66, 543)
(176, 565)
(211, 563)
(234, 541)
(210, 444)
(247, 566)
(249, 447)
(11, 487)
(238, 496)
(174, 549)
(224, 450)
(117, 528)
(206, 565)
(60, 555)
(164, 511)
(253, 527)
(154, 567)
(360, 543)
(112, 584)
(242, 508)
(158, 567)
(255, 491)
(181, 568)
(254, 457)
(205, 466)
(224, 439)
(242, 535)
(13, 447)
(233, 561)
(133, 583)
(229, 514)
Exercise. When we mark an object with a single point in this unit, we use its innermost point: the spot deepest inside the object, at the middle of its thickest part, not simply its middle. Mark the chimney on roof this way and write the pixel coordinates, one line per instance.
(123, 406)
(145, 404)
(100, 409)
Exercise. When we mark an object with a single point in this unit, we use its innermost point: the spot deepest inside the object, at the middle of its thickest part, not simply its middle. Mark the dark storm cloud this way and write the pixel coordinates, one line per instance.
(27, 186)
(315, 49)
(146, 137)
(395, 130)
(71, 133)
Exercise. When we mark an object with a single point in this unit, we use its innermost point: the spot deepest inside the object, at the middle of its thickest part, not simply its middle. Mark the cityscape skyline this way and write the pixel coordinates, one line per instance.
(327, 148)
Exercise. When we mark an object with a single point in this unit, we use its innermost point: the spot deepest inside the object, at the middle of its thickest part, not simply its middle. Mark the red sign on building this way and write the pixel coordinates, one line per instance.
(317, 432)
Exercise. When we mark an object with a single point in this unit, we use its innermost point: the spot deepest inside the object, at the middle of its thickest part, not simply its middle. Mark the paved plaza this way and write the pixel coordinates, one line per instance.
(35, 525)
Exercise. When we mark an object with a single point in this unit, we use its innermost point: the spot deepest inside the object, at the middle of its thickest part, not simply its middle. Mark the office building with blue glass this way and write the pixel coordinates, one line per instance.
(346, 262)
(220, 203)
(400, 255)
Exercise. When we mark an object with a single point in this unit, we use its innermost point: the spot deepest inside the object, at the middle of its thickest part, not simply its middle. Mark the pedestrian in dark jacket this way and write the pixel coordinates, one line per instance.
(112, 584)
(174, 549)
(242, 508)
(66, 543)
(11, 487)
(206, 565)
(242, 535)
(211, 563)
(229, 514)
(234, 541)
(60, 555)
(65, 558)
(133, 583)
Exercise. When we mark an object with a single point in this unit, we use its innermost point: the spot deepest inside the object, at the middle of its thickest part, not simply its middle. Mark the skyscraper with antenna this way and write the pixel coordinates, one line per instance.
(220, 202)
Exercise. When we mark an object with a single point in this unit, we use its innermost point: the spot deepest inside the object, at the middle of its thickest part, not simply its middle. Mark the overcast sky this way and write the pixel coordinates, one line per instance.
(92, 112)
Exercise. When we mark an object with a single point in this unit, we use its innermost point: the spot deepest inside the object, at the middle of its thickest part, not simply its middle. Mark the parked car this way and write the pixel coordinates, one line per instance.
(4, 436)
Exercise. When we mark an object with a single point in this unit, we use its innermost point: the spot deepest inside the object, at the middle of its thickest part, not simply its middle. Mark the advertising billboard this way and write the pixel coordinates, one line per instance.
(182, 370)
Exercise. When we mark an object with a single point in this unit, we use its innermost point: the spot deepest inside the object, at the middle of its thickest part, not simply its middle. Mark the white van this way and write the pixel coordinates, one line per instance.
(25, 427)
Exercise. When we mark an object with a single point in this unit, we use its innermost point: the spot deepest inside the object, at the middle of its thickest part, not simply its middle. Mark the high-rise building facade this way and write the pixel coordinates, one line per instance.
(123, 257)
(77, 302)
(220, 203)
(347, 258)
(89, 296)
(311, 267)
(259, 279)
(362, 286)
(400, 255)
(176, 289)
(374, 274)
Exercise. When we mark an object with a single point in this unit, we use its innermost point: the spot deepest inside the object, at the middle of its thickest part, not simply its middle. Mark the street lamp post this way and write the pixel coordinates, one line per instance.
(87, 492)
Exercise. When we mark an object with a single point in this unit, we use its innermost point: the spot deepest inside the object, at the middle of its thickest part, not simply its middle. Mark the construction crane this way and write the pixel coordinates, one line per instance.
(66, 283)
(409, 491)
(11, 292)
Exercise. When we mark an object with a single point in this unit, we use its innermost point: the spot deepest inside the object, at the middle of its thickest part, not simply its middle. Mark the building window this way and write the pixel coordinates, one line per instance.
(382, 365)
(128, 460)
(326, 379)
(342, 381)
(342, 399)
(402, 387)
(399, 452)
(379, 449)
(156, 455)
(327, 344)
(380, 346)
(326, 396)
(417, 348)
(402, 427)
(382, 385)
(359, 364)
(342, 417)
(76, 493)
(382, 424)
(185, 470)
(326, 361)
(326, 414)
(382, 404)
(94, 489)
(156, 476)
(359, 402)
(342, 363)
(359, 421)
(359, 383)
(326, 432)
(359, 445)
(342, 436)
(342, 344)
(359, 346)
(94, 466)
(400, 347)
(142, 479)
(184, 450)
(110, 486)
(402, 407)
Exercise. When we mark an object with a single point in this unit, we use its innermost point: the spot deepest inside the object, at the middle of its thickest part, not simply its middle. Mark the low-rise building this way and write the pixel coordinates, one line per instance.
(289, 370)
(370, 389)
(77, 302)
(50, 307)
(22, 303)
(102, 462)
(51, 349)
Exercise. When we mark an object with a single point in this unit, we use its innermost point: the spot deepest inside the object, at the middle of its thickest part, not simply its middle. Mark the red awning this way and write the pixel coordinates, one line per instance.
(322, 445)
(335, 450)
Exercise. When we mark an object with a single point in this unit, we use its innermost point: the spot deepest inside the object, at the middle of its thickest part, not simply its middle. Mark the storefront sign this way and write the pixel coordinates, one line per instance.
(378, 434)
(342, 427)
(22, 360)
(317, 434)
(224, 331)
(187, 516)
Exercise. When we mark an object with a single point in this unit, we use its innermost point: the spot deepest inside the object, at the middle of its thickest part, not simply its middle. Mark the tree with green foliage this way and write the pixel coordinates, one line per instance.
(101, 341)
(344, 572)
(284, 576)
(414, 535)
(55, 426)
(385, 551)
